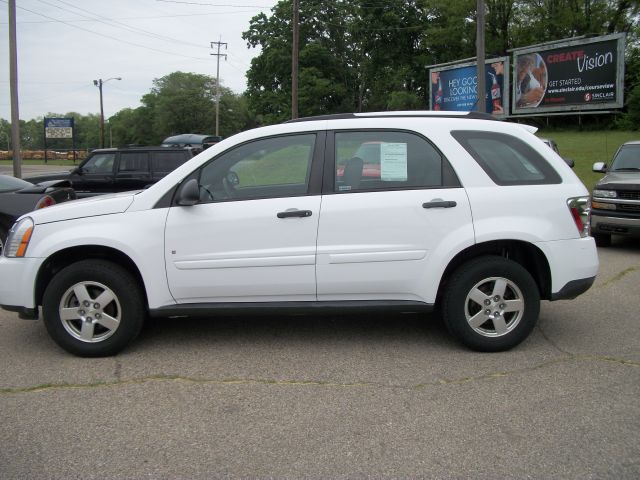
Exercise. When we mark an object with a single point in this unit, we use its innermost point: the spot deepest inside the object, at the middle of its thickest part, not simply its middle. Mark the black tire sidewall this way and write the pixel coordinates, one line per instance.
(120, 281)
(461, 283)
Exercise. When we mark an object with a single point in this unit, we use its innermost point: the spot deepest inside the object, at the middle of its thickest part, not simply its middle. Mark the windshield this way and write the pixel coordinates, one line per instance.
(9, 184)
(628, 158)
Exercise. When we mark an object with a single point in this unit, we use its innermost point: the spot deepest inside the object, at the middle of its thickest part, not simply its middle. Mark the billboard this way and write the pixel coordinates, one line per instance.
(582, 74)
(58, 127)
(454, 87)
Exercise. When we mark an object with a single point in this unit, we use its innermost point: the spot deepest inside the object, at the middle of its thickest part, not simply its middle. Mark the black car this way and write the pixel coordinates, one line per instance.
(18, 197)
(109, 170)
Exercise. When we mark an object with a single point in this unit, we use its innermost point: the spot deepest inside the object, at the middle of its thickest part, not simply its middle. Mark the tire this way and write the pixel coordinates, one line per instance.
(83, 324)
(491, 304)
(3, 238)
(602, 239)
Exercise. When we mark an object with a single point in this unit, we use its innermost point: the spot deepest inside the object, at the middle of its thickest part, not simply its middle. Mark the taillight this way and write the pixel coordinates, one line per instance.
(45, 201)
(580, 208)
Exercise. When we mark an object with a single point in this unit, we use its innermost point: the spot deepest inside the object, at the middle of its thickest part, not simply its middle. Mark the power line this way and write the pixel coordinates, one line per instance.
(117, 24)
(77, 20)
(213, 4)
(109, 36)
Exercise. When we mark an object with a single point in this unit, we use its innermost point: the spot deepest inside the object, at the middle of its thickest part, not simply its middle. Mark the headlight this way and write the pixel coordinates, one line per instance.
(18, 239)
(605, 193)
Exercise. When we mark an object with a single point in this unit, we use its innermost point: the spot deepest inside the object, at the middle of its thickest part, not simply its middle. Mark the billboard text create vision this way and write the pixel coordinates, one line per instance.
(583, 74)
(455, 87)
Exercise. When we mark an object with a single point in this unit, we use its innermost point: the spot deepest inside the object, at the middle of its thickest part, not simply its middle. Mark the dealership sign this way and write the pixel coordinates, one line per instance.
(58, 127)
(454, 87)
(583, 74)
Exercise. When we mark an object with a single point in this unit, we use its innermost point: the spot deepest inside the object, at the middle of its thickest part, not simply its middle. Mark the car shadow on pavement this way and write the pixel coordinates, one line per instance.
(311, 329)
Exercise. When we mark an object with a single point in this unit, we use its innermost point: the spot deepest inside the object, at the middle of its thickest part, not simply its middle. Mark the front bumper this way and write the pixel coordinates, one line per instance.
(17, 284)
(23, 312)
(617, 224)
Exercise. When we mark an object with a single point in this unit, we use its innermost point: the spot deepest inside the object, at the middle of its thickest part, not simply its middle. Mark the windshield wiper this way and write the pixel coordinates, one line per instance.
(627, 169)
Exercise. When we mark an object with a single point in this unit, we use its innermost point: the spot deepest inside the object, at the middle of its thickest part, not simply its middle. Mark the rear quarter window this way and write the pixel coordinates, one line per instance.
(507, 160)
(166, 162)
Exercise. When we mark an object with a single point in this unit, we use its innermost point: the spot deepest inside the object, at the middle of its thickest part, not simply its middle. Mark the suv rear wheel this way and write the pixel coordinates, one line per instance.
(93, 308)
(491, 304)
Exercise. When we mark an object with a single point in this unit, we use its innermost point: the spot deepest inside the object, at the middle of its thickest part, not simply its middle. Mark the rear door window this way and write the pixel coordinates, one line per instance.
(507, 160)
(388, 160)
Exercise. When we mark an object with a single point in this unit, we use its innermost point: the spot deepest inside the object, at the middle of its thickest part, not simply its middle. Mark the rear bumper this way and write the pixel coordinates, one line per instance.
(573, 289)
(573, 266)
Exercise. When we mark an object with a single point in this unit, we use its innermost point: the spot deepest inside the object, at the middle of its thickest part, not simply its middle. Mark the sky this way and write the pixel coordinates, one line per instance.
(64, 45)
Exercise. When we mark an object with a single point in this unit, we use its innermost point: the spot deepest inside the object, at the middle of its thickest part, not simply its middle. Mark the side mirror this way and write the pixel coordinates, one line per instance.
(599, 167)
(189, 193)
(76, 171)
(569, 162)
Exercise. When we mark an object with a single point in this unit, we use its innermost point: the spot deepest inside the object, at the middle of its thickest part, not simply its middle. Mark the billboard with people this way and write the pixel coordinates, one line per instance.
(455, 87)
(581, 74)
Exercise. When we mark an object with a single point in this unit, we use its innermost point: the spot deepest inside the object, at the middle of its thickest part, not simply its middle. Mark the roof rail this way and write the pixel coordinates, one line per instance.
(405, 114)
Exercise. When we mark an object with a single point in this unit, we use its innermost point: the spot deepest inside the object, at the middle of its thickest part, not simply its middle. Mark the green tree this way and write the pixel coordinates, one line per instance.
(180, 103)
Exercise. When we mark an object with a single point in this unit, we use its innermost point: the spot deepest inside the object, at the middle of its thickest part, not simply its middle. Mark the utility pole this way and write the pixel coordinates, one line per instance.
(482, 104)
(98, 83)
(294, 59)
(218, 55)
(13, 80)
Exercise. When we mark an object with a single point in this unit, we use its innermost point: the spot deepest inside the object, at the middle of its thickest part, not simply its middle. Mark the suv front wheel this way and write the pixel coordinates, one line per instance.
(491, 304)
(93, 308)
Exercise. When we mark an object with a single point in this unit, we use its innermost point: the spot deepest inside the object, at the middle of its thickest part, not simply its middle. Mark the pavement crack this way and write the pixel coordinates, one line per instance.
(313, 383)
(551, 342)
(618, 276)
(117, 371)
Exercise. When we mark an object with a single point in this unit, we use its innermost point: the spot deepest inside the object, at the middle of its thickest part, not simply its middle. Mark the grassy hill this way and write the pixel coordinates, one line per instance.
(586, 148)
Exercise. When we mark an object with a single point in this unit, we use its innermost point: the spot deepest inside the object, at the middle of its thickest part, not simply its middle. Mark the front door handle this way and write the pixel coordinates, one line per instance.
(294, 213)
(437, 203)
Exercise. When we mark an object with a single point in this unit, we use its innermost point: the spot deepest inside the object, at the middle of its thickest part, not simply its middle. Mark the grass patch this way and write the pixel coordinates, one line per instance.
(586, 148)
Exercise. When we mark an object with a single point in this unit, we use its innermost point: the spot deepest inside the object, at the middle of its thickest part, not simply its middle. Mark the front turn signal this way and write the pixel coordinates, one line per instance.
(19, 238)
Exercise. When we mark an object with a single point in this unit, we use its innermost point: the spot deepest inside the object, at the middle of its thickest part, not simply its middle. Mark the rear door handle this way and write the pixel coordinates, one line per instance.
(439, 204)
(294, 213)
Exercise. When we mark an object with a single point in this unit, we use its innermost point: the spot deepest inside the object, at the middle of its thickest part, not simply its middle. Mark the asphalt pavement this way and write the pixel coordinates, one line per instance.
(350, 396)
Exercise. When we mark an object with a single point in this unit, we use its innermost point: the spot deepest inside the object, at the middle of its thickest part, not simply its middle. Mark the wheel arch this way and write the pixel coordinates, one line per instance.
(524, 253)
(68, 256)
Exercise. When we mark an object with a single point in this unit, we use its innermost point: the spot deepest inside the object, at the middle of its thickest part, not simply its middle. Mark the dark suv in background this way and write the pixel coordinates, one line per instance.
(109, 170)
(615, 203)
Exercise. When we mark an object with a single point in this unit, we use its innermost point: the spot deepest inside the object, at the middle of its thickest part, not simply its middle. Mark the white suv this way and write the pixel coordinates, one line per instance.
(475, 216)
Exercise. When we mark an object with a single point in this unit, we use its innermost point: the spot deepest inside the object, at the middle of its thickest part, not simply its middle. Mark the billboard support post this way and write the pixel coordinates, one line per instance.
(481, 106)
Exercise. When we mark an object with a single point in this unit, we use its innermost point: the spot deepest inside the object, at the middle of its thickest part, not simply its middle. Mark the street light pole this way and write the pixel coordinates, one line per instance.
(98, 83)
